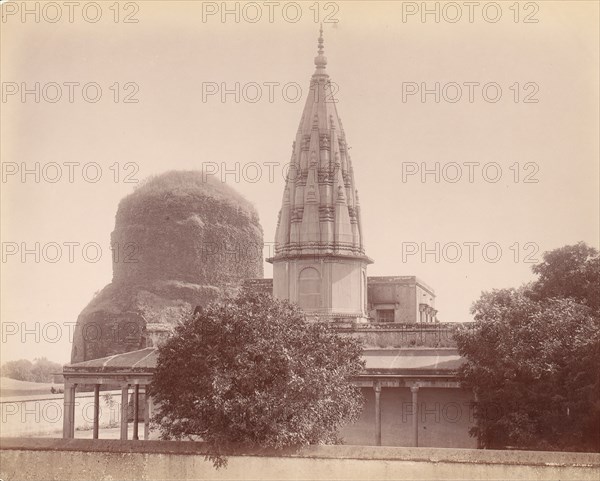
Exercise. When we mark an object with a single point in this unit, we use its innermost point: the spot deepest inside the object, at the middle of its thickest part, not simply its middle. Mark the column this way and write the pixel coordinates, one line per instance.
(377, 388)
(69, 410)
(415, 410)
(65, 409)
(96, 409)
(146, 414)
(474, 405)
(124, 404)
(136, 410)
(72, 410)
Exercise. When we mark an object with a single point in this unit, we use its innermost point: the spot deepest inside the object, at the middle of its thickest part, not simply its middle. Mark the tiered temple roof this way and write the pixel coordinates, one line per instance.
(320, 212)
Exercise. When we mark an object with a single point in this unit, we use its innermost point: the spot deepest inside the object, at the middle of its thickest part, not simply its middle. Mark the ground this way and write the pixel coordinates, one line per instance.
(14, 387)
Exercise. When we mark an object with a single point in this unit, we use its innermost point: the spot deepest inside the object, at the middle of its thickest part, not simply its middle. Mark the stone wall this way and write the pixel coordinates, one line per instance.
(44, 459)
(262, 286)
(402, 294)
(412, 335)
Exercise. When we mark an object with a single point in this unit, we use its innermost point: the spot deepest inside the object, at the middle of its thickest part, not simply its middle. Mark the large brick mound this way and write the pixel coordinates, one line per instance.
(180, 240)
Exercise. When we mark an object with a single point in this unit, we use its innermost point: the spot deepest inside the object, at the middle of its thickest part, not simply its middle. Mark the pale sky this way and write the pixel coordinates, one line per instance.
(171, 55)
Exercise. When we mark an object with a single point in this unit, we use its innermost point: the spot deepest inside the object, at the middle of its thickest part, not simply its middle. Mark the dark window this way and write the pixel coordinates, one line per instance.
(385, 315)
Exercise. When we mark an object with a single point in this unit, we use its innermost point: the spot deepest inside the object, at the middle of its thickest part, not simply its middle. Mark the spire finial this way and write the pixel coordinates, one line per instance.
(321, 46)
(320, 59)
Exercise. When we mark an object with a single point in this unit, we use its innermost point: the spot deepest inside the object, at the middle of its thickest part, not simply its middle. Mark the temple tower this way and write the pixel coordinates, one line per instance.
(320, 260)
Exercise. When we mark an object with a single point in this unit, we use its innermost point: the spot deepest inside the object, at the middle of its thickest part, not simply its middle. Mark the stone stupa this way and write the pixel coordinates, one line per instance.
(181, 240)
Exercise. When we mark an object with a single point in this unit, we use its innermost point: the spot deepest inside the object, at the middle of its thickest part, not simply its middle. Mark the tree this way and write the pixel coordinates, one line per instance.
(44, 370)
(570, 271)
(532, 358)
(252, 371)
(20, 370)
(41, 370)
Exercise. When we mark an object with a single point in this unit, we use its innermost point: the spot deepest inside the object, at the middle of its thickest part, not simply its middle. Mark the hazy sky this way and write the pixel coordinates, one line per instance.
(172, 56)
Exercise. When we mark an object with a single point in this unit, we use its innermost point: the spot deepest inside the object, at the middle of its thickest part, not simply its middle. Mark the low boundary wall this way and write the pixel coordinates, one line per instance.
(73, 459)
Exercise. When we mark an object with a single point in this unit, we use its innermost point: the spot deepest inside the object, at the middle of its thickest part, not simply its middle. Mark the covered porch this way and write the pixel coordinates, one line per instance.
(131, 371)
(429, 376)
(412, 396)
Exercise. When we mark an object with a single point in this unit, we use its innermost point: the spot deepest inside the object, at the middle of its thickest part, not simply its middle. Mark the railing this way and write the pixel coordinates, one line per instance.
(393, 334)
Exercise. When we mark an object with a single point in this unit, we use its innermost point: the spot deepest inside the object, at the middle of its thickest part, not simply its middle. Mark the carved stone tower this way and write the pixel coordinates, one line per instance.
(320, 260)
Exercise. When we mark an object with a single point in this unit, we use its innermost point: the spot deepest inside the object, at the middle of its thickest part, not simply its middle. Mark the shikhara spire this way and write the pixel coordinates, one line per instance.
(320, 213)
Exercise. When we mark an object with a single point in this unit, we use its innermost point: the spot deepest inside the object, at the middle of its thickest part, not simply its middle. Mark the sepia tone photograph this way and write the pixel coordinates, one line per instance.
(300, 240)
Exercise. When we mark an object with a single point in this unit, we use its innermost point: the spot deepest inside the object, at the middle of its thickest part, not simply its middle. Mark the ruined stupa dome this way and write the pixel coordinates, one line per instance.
(179, 226)
(181, 239)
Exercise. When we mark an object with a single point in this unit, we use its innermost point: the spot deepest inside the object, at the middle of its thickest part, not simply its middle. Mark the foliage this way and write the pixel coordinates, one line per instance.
(532, 361)
(252, 371)
(570, 271)
(110, 402)
(40, 370)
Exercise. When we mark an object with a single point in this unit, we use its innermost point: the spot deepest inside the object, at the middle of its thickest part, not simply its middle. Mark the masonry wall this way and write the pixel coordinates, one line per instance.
(445, 416)
(401, 293)
(44, 459)
(402, 336)
(339, 287)
(397, 296)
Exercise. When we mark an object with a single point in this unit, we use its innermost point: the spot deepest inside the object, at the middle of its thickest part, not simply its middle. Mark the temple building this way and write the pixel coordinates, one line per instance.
(390, 299)
(409, 384)
(320, 261)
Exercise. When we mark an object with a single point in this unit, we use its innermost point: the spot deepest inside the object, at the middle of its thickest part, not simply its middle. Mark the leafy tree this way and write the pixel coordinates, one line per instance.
(570, 271)
(41, 370)
(252, 371)
(44, 370)
(20, 370)
(532, 358)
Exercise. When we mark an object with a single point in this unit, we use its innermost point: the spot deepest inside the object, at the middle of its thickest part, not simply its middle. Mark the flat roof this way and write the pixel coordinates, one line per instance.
(400, 280)
(431, 361)
(134, 361)
(403, 361)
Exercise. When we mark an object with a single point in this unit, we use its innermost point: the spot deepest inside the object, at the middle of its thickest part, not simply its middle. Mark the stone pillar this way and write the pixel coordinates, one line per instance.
(96, 410)
(72, 410)
(146, 414)
(66, 429)
(415, 410)
(124, 403)
(472, 408)
(69, 410)
(377, 388)
(136, 410)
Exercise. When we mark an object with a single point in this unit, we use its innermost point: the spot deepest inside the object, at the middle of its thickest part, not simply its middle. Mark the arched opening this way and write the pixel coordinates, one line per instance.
(309, 288)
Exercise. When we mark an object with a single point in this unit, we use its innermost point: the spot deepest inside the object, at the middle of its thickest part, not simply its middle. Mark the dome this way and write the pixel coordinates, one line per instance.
(181, 239)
